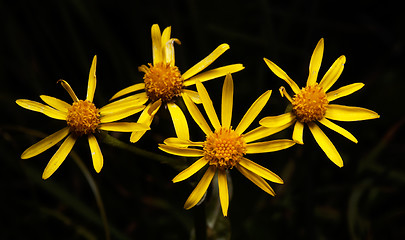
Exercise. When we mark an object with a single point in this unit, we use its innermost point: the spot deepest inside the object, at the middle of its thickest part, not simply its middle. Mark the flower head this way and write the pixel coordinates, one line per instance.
(164, 83)
(82, 118)
(225, 148)
(311, 104)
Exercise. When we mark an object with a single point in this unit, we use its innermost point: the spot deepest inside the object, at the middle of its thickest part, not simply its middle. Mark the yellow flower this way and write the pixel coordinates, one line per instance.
(311, 104)
(163, 82)
(225, 148)
(82, 118)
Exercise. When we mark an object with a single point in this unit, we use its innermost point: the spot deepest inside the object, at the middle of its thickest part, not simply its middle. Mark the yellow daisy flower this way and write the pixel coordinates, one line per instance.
(82, 118)
(311, 104)
(163, 82)
(225, 148)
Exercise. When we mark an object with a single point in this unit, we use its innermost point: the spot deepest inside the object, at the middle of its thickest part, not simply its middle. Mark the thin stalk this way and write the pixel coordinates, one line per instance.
(95, 190)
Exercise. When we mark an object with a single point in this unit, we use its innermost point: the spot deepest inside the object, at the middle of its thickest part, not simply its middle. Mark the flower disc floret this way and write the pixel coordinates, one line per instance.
(224, 148)
(310, 104)
(162, 81)
(83, 117)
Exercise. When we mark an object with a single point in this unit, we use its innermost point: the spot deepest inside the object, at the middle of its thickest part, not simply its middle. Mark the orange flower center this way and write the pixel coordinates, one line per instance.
(224, 148)
(310, 104)
(83, 117)
(162, 81)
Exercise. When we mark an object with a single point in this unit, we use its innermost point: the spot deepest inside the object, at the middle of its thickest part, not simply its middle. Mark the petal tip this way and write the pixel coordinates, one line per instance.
(175, 180)
(299, 142)
(187, 206)
(45, 175)
(338, 162)
(19, 102)
(24, 156)
(98, 167)
(225, 46)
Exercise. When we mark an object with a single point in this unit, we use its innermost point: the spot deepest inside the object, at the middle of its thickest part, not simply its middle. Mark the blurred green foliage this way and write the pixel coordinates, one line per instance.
(43, 42)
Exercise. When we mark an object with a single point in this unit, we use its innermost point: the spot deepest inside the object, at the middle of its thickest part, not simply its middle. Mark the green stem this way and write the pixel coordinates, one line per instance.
(95, 191)
(84, 170)
(200, 223)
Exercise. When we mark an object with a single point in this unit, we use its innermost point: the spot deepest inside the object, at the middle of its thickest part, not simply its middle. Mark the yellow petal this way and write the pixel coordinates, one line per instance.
(257, 133)
(208, 106)
(169, 51)
(167, 46)
(133, 88)
(338, 129)
(56, 103)
(119, 114)
(281, 74)
(45, 143)
(60, 155)
(344, 91)
(144, 69)
(277, 121)
(42, 108)
(179, 121)
(333, 73)
(206, 61)
(285, 94)
(91, 87)
(96, 154)
(196, 114)
(315, 63)
(326, 145)
(214, 73)
(146, 118)
(269, 146)
(180, 151)
(223, 191)
(346, 113)
(193, 168)
(260, 182)
(178, 142)
(69, 89)
(260, 170)
(154, 107)
(195, 97)
(262, 132)
(252, 112)
(227, 101)
(125, 103)
(156, 44)
(166, 36)
(298, 132)
(135, 136)
(200, 189)
(123, 127)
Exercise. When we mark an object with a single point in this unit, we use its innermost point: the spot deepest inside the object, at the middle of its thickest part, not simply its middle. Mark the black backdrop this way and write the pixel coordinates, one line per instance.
(42, 42)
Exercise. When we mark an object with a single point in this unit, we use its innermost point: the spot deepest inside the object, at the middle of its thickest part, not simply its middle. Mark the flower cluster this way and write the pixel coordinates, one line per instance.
(224, 147)
(311, 104)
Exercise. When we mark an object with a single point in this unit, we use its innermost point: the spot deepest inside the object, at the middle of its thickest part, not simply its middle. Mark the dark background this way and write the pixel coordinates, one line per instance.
(43, 42)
